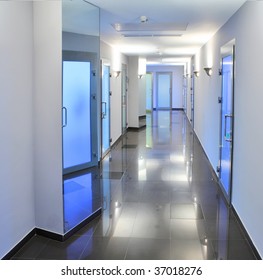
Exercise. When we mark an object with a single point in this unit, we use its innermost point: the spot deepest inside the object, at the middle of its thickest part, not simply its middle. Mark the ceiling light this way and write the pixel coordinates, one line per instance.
(151, 35)
(143, 19)
(154, 27)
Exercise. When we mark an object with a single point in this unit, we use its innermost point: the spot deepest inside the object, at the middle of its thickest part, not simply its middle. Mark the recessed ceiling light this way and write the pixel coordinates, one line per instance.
(151, 35)
(154, 27)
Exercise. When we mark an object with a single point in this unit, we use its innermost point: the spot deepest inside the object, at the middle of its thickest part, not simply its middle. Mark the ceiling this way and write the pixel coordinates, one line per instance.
(162, 30)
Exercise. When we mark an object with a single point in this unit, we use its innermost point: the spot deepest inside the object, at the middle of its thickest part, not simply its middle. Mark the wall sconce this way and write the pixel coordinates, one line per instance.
(116, 74)
(140, 76)
(208, 71)
(196, 73)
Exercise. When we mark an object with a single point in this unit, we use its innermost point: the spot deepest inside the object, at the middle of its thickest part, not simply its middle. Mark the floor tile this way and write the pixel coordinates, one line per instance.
(148, 249)
(32, 248)
(186, 250)
(100, 248)
(67, 250)
(159, 198)
(186, 211)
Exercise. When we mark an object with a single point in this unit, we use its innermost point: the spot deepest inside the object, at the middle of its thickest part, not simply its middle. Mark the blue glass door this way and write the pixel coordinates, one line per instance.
(164, 90)
(192, 99)
(226, 137)
(78, 122)
(105, 109)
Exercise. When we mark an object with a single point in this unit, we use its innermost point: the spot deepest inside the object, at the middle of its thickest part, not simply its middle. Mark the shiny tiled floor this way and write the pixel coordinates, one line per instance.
(159, 200)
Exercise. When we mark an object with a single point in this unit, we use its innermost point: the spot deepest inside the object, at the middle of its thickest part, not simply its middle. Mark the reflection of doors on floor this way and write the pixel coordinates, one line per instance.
(164, 91)
(78, 200)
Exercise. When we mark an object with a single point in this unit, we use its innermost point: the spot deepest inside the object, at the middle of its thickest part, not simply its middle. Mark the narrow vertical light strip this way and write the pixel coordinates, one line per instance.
(141, 66)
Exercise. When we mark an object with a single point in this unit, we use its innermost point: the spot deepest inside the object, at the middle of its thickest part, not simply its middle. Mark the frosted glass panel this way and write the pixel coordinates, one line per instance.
(226, 140)
(105, 109)
(148, 92)
(163, 93)
(76, 103)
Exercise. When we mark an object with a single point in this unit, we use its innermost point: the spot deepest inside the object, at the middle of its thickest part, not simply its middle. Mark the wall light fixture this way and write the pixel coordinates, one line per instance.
(196, 73)
(208, 71)
(116, 74)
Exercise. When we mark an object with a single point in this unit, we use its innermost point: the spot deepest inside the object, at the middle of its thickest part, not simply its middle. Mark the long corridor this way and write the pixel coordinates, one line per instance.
(160, 200)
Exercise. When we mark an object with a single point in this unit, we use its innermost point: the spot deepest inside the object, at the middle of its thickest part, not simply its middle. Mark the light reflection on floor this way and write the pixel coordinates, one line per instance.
(159, 200)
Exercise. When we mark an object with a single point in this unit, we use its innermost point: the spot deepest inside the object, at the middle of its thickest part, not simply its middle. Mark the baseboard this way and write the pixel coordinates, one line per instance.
(11, 253)
(93, 216)
(254, 249)
(173, 109)
(177, 109)
(215, 177)
(136, 129)
(117, 141)
(64, 237)
(51, 235)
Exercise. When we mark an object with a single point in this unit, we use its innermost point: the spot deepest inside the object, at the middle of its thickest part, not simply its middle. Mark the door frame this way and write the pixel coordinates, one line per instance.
(226, 50)
(171, 90)
(124, 94)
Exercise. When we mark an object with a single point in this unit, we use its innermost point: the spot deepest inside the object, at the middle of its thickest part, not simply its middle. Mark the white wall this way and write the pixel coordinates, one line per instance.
(246, 27)
(177, 83)
(30, 121)
(116, 59)
(17, 217)
(47, 115)
(133, 92)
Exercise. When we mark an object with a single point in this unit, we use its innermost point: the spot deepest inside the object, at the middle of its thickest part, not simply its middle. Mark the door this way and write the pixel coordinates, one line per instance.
(79, 119)
(185, 94)
(124, 90)
(164, 91)
(105, 109)
(227, 116)
(192, 98)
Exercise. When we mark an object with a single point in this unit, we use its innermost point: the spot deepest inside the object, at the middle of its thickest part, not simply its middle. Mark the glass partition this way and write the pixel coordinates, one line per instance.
(80, 98)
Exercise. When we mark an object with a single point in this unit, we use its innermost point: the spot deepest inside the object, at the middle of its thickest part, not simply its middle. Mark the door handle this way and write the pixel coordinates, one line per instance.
(227, 138)
(103, 112)
(65, 113)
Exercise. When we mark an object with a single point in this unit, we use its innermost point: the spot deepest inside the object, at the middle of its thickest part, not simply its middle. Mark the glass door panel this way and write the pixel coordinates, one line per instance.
(76, 108)
(149, 92)
(192, 99)
(164, 90)
(226, 124)
(105, 109)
